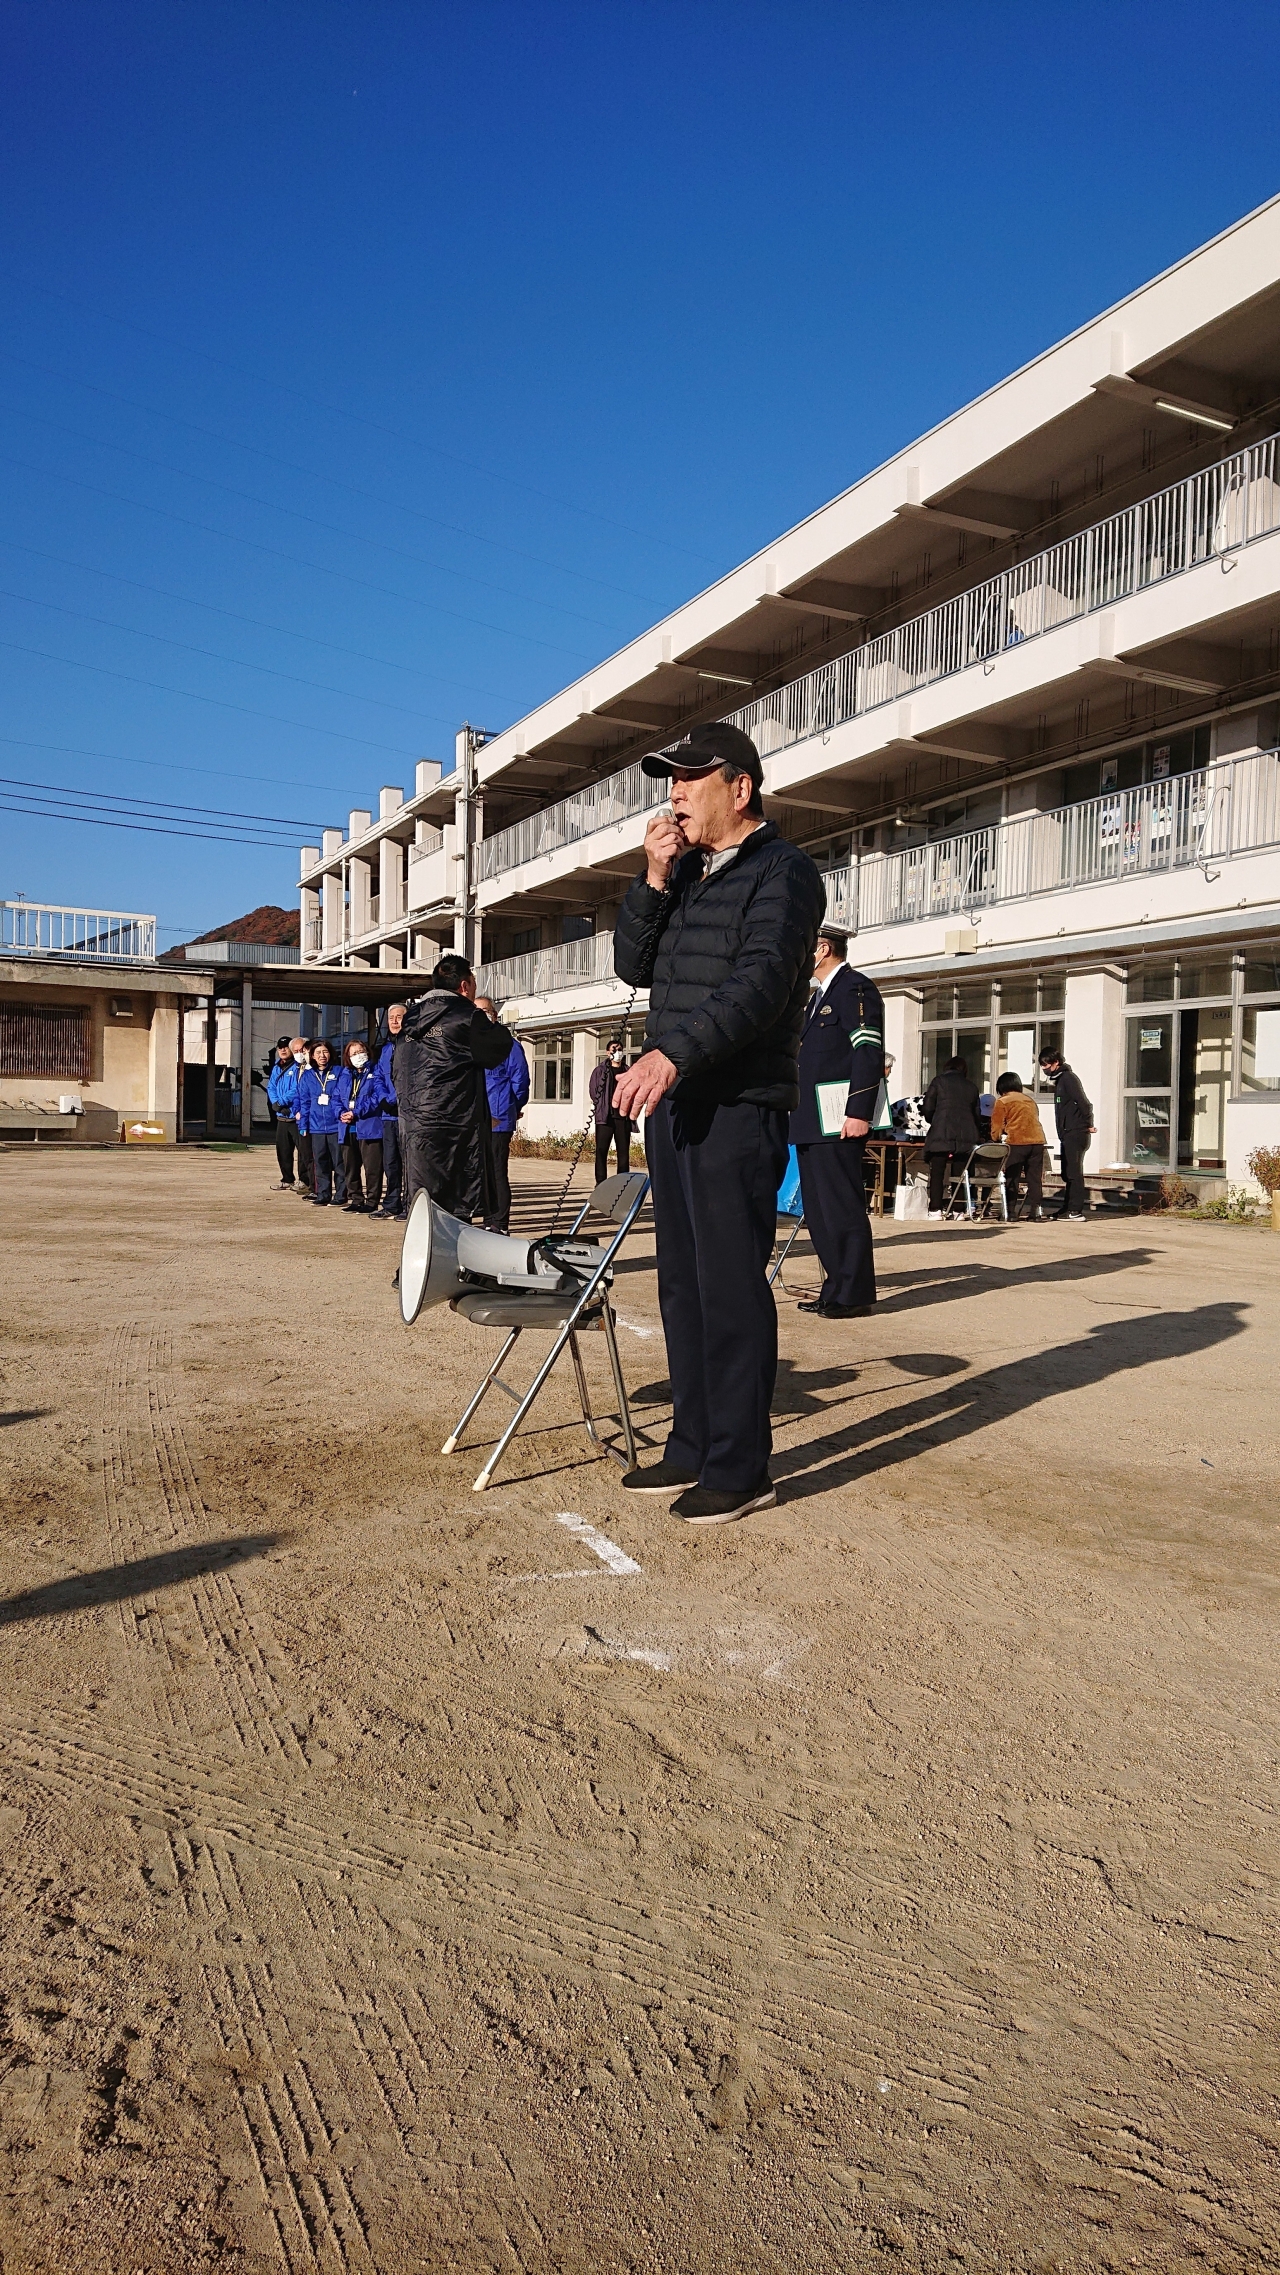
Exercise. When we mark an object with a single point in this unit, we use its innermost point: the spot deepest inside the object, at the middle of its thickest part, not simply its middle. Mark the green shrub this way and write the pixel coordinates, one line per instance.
(1236, 1206)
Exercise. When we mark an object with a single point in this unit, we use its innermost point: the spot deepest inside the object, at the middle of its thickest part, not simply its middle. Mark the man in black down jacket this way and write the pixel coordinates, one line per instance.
(1074, 1116)
(720, 929)
(443, 1049)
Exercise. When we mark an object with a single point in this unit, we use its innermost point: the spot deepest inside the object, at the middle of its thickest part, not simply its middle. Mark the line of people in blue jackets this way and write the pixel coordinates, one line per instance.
(337, 1127)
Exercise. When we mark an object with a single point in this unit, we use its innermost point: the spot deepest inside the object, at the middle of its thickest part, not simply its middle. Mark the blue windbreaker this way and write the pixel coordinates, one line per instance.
(382, 1069)
(361, 1090)
(318, 1103)
(282, 1090)
(508, 1088)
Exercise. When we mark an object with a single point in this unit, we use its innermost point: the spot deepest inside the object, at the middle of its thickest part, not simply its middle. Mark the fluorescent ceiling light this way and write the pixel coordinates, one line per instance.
(726, 679)
(1197, 418)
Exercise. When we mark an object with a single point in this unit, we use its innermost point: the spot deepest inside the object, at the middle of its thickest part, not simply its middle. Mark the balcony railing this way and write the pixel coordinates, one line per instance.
(1191, 820)
(544, 971)
(1210, 815)
(1223, 507)
(616, 799)
(37, 928)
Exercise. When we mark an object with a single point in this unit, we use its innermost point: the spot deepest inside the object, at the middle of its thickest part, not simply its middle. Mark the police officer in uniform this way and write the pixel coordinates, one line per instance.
(842, 1045)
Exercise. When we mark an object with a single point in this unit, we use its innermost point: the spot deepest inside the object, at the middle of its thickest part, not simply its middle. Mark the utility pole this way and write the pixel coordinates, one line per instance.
(468, 808)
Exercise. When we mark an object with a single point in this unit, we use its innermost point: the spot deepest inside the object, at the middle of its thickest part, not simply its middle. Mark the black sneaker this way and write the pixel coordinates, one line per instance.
(659, 1478)
(700, 1507)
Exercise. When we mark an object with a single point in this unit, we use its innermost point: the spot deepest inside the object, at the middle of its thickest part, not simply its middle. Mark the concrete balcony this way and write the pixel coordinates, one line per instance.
(548, 985)
(1177, 592)
(433, 876)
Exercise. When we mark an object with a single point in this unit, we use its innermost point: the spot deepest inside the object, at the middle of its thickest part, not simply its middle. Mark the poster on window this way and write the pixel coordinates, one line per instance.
(1020, 1052)
(1266, 1047)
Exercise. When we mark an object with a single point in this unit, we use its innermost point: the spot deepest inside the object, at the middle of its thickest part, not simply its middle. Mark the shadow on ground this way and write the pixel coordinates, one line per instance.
(898, 1433)
(113, 1583)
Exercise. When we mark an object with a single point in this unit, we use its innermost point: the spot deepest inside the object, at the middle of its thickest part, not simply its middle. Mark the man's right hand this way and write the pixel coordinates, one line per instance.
(664, 844)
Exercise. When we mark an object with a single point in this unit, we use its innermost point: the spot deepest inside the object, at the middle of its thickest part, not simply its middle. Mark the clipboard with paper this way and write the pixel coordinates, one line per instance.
(830, 1099)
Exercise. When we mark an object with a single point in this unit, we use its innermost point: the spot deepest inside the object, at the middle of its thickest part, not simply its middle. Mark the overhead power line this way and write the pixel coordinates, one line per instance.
(357, 418)
(173, 766)
(151, 805)
(215, 655)
(313, 521)
(276, 552)
(246, 710)
(315, 474)
(236, 616)
(45, 813)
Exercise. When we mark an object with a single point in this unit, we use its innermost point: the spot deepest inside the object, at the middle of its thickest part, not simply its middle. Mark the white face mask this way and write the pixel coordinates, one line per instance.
(358, 1059)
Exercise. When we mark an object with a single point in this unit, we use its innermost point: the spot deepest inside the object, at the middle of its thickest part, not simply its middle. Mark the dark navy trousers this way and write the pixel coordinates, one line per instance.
(716, 1172)
(833, 1189)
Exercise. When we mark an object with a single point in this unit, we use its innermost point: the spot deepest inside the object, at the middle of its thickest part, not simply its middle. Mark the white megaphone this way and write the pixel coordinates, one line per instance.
(444, 1260)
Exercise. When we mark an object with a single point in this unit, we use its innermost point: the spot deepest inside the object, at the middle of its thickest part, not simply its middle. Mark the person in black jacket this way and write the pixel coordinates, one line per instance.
(720, 929)
(611, 1129)
(951, 1110)
(443, 1049)
(1074, 1116)
(841, 1065)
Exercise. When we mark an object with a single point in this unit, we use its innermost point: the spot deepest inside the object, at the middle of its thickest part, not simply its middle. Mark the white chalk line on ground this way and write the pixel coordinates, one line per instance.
(599, 1543)
(616, 1561)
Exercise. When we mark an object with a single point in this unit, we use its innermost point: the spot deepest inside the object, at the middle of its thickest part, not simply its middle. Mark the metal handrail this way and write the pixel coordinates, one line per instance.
(543, 971)
(1213, 813)
(108, 935)
(1222, 508)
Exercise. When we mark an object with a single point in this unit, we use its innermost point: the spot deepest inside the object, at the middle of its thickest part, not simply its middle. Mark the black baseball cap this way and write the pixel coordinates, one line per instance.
(703, 749)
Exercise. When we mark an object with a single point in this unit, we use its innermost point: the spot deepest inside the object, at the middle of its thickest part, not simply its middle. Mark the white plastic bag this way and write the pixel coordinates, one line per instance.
(911, 1200)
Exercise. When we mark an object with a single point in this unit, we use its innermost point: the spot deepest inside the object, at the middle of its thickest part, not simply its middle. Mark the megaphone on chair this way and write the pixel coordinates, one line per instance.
(487, 1276)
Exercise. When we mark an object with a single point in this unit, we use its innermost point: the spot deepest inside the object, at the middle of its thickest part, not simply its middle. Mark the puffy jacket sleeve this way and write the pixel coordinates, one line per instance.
(519, 1073)
(929, 1103)
(490, 1041)
(307, 1087)
(342, 1092)
(642, 920)
(999, 1116)
(779, 926)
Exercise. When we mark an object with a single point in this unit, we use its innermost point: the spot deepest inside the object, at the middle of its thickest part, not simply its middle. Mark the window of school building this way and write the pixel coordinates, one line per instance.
(553, 1070)
(996, 1026)
(1198, 1030)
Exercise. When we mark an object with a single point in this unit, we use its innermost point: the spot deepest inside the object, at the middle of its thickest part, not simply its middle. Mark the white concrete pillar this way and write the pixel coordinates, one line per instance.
(310, 926)
(584, 1058)
(332, 912)
(162, 1066)
(359, 886)
(1093, 1044)
(390, 881)
(246, 1056)
(902, 1040)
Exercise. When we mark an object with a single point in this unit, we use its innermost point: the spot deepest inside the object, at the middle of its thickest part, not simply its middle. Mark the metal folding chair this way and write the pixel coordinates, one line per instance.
(571, 1312)
(983, 1174)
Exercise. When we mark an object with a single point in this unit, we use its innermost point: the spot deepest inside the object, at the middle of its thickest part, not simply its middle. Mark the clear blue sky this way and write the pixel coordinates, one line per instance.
(369, 367)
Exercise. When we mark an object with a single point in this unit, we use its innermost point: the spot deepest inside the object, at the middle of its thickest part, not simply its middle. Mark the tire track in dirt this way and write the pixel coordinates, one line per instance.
(311, 2126)
(293, 2200)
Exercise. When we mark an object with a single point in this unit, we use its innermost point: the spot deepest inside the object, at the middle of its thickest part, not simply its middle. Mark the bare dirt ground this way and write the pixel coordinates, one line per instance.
(886, 1882)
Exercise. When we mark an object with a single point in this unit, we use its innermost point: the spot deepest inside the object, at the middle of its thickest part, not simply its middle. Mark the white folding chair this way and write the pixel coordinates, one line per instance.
(584, 1307)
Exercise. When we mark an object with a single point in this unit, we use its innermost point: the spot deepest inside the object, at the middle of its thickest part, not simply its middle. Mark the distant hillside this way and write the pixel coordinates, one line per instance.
(268, 927)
